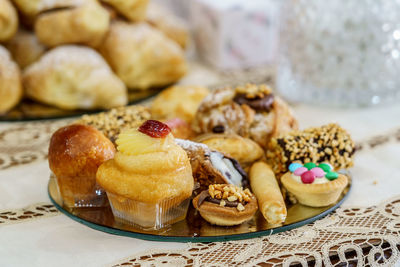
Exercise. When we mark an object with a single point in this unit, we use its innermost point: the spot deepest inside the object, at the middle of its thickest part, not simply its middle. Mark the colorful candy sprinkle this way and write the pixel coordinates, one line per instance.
(308, 177)
(331, 175)
(310, 165)
(325, 166)
(318, 172)
(294, 166)
(300, 171)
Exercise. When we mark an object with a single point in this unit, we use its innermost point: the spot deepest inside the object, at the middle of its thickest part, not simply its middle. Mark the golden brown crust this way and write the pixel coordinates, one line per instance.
(74, 77)
(180, 128)
(78, 150)
(10, 82)
(315, 195)
(156, 61)
(225, 216)
(85, 24)
(242, 149)
(179, 101)
(25, 48)
(267, 191)
(148, 177)
(8, 20)
(133, 10)
(168, 23)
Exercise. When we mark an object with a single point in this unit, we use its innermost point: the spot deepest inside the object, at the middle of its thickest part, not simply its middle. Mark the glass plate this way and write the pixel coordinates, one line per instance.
(193, 228)
(29, 110)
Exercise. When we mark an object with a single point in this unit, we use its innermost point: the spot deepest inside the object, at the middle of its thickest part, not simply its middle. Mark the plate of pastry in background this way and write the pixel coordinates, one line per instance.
(65, 58)
(199, 166)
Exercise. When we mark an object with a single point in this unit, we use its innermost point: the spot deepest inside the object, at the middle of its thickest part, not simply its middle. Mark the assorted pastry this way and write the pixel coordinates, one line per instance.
(74, 46)
(251, 111)
(153, 165)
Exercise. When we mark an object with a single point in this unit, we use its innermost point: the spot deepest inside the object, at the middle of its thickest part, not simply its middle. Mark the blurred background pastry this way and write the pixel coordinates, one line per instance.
(179, 101)
(75, 153)
(8, 20)
(74, 77)
(142, 56)
(10, 81)
(251, 111)
(172, 26)
(133, 10)
(25, 48)
(83, 24)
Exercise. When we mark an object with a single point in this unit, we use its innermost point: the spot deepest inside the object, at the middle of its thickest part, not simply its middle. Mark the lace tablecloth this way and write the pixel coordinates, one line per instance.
(364, 231)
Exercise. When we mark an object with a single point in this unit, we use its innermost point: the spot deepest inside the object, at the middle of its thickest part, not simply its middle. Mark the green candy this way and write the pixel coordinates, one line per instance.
(332, 175)
(325, 167)
(309, 165)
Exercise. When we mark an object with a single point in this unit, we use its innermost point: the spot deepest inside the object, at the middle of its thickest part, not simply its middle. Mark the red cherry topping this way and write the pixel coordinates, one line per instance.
(308, 177)
(155, 129)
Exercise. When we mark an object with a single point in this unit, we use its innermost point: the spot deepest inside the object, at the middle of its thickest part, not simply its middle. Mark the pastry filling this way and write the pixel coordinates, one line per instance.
(228, 167)
(226, 195)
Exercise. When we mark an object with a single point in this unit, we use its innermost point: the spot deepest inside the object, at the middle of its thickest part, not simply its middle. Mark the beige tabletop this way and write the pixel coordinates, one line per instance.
(34, 233)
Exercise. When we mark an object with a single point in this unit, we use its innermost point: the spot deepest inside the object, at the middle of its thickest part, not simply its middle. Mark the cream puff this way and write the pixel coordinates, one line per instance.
(226, 204)
(149, 182)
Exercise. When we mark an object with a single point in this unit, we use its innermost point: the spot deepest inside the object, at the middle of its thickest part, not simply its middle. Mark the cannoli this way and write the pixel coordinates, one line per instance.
(329, 143)
(265, 186)
(212, 167)
(225, 204)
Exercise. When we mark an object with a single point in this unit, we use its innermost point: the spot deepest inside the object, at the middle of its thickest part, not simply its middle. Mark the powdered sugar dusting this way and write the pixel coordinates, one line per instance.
(68, 54)
(190, 145)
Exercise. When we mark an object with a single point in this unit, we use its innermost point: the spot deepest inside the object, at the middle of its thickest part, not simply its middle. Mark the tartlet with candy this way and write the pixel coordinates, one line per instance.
(226, 204)
(315, 185)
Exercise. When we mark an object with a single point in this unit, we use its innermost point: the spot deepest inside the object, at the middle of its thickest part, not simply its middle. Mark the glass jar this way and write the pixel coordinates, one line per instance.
(340, 53)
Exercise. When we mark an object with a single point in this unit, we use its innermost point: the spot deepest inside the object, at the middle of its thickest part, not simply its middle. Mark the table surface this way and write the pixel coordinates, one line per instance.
(34, 233)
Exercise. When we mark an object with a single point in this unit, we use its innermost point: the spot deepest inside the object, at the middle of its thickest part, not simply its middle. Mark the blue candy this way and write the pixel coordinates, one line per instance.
(294, 166)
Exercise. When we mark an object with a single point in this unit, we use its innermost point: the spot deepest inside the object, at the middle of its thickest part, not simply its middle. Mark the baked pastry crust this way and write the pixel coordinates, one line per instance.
(10, 82)
(8, 20)
(74, 77)
(315, 195)
(133, 10)
(251, 111)
(242, 149)
(149, 177)
(266, 189)
(223, 215)
(75, 153)
(156, 61)
(85, 24)
(179, 101)
(25, 48)
(168, 23)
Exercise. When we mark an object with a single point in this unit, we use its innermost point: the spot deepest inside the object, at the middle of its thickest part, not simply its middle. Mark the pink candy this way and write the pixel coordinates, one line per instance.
(308, 177)
(300, 171)
(318, 172)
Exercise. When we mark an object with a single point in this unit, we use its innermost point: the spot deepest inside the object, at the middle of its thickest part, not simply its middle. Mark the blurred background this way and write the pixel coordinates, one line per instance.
(339, 54)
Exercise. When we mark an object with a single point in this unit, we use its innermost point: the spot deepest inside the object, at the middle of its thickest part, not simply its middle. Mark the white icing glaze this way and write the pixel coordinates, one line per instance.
(321, 180)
